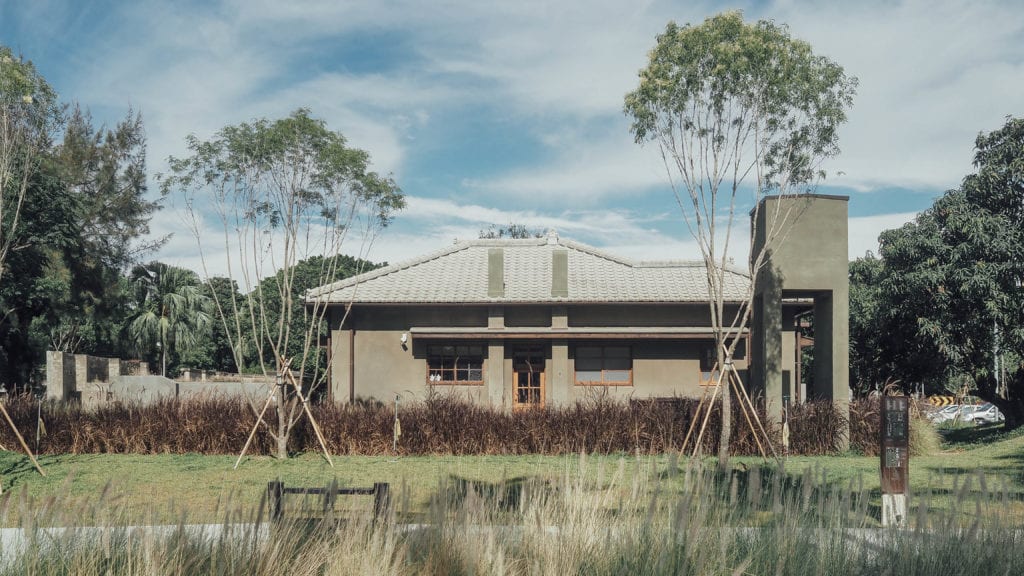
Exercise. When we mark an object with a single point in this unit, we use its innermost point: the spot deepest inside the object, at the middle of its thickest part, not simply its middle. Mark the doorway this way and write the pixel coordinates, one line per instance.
(528, 377)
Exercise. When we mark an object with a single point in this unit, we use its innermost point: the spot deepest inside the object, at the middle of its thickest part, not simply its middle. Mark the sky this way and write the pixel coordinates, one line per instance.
(500, 112)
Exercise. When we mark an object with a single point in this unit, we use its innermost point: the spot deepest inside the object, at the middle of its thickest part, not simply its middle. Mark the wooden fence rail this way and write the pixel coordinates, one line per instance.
(380, 491)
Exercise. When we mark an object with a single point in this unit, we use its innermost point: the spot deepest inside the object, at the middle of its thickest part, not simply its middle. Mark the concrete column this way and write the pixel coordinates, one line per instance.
(54, 375)
(559, 385)
(831, 353)
(495, 377)
(771, 364)
(341, 365)
(81, 372)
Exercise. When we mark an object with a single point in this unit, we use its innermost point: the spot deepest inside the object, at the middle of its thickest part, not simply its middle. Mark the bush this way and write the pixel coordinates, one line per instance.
(440, 425)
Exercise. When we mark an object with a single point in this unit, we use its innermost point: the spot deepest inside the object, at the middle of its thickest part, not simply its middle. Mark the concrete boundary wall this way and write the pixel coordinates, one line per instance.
(94, 380)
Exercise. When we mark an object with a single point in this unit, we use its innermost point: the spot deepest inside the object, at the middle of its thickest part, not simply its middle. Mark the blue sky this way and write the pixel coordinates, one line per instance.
(492, 112)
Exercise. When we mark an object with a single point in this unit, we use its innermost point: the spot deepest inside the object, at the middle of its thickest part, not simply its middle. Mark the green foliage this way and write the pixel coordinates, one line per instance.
(942, 307)
(73, 209)
(284, 191)
(512, 231)
(727, 101)
(302, 319)
(170, 312)
(735, 85)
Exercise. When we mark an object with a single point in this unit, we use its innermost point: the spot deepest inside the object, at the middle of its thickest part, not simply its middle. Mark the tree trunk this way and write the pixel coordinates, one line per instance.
(282, 422)
(726, 433)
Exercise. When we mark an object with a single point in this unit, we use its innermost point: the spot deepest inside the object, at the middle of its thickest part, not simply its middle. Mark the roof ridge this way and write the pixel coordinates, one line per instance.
(594, 251)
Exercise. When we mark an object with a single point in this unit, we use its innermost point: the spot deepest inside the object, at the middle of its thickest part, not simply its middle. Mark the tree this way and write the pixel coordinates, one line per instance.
(512, 231)
(736, 107)
(867, 338)
(104, 174)
(306, 275)
(950, 288)
(170, 310)
(29, 114)
(281, 191)
(72, 211)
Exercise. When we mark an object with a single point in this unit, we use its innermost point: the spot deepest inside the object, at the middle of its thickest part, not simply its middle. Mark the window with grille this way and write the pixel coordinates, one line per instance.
(604, 366)
(455, 364)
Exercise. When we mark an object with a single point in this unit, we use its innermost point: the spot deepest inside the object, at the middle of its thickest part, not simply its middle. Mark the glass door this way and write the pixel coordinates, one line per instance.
(528, 367)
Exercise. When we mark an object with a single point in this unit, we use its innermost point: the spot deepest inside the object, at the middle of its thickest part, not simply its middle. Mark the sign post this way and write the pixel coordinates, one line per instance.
(895, 459)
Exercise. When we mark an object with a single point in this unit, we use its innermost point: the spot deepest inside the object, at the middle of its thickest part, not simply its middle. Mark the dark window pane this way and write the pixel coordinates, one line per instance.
(617, 352)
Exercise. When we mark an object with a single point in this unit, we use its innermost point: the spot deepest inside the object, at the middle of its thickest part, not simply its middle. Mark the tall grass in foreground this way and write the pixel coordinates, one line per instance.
(636, 517)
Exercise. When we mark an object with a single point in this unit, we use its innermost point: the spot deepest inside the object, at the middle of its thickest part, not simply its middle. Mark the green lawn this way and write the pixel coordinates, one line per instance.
(978, 464)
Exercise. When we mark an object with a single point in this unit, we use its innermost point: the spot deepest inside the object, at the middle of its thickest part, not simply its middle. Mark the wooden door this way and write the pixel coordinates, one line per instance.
(528, 384)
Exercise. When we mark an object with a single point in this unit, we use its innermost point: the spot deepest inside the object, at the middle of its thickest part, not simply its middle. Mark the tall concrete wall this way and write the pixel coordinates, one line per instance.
(805, 241)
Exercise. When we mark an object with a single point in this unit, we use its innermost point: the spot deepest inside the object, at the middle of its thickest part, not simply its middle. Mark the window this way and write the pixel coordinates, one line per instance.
(455, 364)
(708, 360)
(604, 366)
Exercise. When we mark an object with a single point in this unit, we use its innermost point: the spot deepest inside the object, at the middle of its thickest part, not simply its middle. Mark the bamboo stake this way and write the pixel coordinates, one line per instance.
(746, 415)
(696, 416)
(707, 413)
(756, 417)
(259, 420)
(22, 440)
(312, 420)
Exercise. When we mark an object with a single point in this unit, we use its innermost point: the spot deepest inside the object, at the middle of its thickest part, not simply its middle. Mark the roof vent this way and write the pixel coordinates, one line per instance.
(559, 273)
(552, 236)
(495, 273)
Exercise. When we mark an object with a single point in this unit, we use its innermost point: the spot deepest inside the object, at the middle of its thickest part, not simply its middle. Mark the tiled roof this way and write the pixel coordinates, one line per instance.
(458, 274)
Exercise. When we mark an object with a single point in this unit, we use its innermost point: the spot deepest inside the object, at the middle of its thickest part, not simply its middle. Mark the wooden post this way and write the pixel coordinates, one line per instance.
(275, 495)
(381, 500)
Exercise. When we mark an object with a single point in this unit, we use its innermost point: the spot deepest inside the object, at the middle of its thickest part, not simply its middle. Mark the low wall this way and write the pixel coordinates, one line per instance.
(94, 380)
(151, 388)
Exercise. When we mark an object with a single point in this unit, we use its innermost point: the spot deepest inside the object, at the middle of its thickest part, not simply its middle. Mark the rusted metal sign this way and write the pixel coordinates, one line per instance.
(895, 458)
(895, 451)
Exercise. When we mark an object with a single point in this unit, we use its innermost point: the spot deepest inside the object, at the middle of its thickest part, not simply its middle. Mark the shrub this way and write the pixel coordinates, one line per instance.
(440, 425)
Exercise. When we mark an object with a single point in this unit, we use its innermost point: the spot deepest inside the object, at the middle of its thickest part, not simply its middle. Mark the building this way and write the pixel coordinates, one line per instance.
(548, 321)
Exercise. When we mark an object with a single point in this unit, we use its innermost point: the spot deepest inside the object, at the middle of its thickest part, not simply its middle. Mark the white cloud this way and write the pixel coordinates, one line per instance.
(932, 75)
(582, 170)
(864, 231)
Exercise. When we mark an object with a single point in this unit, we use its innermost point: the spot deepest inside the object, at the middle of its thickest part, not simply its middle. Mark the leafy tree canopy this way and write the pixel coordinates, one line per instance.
(948, 304)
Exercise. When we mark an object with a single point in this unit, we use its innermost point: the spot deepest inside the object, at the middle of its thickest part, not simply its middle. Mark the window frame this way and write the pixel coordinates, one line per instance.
(705, 370)
(436, 352)
(604, 359)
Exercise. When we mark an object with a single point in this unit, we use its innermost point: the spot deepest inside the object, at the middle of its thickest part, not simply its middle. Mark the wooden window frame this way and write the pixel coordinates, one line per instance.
(706, 372)
(535, 352)
(604, 359)
(437, 352)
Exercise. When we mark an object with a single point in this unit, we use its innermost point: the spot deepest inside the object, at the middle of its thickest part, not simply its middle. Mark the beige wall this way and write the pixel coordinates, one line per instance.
(384, 367)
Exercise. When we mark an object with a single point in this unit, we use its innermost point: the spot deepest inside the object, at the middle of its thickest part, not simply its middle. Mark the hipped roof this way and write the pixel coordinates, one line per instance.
(459, 274)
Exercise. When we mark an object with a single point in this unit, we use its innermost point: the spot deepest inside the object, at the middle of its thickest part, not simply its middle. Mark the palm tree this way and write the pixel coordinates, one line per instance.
(171, 309)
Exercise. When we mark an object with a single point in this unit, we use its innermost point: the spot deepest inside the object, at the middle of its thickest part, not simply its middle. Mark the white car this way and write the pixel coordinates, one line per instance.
(944, 414)
(987, 413)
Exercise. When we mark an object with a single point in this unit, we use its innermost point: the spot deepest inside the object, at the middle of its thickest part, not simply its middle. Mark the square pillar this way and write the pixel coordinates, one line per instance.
(341, 365)
(495, 373)
(559, 385)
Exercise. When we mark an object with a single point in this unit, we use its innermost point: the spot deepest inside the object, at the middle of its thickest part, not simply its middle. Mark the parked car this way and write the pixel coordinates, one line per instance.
(944, 414)
(987, 413)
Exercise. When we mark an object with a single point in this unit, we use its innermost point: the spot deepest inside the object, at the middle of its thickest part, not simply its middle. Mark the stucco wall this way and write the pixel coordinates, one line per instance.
(384, 366)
